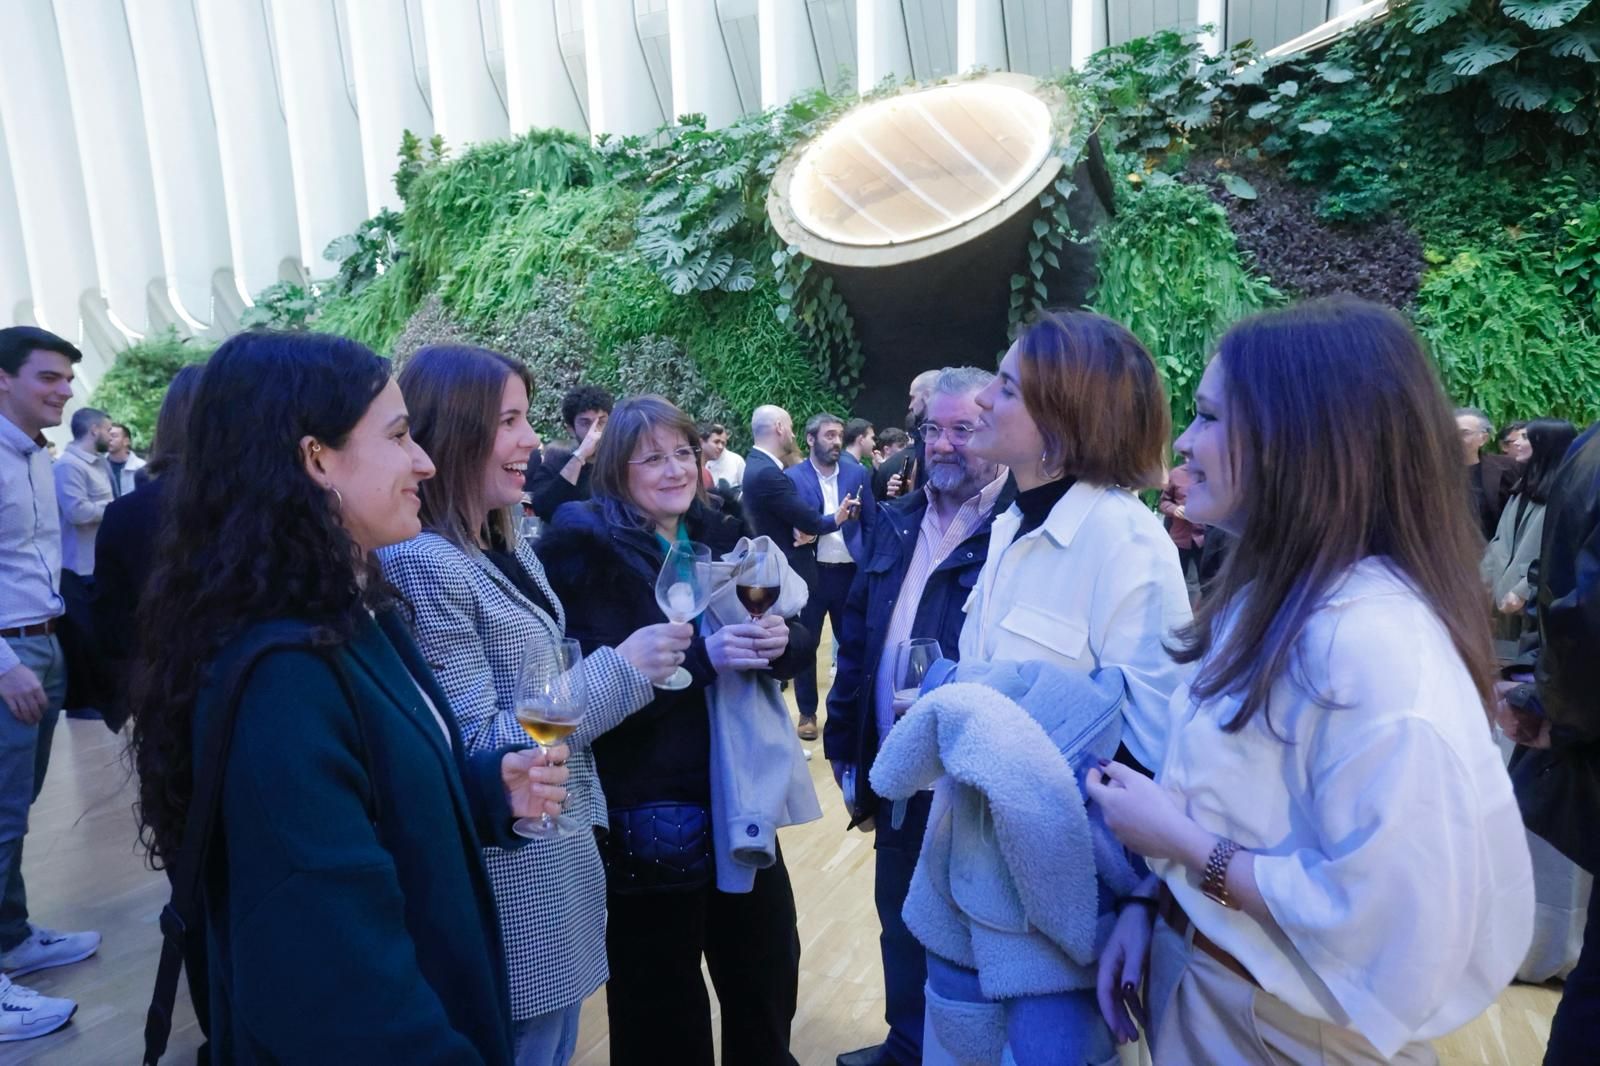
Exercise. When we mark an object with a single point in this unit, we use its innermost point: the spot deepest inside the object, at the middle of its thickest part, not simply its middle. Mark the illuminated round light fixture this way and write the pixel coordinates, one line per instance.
(919, 172)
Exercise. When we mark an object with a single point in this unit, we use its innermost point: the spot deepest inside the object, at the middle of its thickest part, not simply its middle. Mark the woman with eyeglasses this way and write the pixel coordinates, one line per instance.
(666, 914)
(480, 601)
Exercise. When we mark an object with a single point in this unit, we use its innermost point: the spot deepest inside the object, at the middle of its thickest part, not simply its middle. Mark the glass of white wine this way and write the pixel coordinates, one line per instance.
(683, 591)
(912, 660)
(551, 700)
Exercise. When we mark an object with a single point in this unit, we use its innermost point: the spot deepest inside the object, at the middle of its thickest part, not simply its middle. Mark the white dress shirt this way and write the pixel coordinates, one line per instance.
(831, 547)
(30, 536)
(729, 467)
(1387, 842)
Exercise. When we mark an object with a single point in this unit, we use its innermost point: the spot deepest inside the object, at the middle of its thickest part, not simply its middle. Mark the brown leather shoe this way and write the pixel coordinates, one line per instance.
(807, 729)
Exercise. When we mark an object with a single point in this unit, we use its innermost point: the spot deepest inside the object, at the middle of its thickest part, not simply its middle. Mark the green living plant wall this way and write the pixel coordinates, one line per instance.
(132, 390)
(1171, 272)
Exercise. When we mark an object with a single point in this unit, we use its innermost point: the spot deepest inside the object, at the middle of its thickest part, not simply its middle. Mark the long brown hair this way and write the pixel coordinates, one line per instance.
(453, 393)
(632, 420)
(1343, 447)
(1097, 399)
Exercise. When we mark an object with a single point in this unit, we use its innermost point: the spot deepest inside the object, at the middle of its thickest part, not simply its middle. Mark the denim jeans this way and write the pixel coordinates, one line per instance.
(24, 756)
(548, 1039)
(1064, 1027)
(905, 967)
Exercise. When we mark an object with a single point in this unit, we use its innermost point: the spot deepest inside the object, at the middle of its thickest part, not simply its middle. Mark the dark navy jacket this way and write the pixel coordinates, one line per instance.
(851, 732)
(349, 916)
(853, 478)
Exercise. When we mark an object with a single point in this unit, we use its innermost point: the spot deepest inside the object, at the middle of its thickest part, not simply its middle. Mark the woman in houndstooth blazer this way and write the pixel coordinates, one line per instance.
(479, 597)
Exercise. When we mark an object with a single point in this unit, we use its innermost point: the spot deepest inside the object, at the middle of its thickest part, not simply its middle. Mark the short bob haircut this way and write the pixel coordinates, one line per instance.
(1094, 393)
(453, 393)
(634, 419)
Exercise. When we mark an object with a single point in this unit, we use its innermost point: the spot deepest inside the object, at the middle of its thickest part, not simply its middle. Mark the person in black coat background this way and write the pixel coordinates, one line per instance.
(602, 558)
(772, 505)
(1556, 721)
(563, 474)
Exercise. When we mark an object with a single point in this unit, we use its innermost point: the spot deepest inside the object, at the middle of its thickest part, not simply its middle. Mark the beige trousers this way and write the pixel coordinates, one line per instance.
(1203, 1014)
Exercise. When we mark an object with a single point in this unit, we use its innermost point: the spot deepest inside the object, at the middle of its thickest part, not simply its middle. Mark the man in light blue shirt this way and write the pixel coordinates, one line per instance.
(35, 386)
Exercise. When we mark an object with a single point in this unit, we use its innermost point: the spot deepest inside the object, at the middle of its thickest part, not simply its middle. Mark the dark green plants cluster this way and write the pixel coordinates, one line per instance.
(1172, 273)
(132, 390)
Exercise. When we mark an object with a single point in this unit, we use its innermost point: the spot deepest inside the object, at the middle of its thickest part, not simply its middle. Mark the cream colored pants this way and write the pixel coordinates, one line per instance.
(1203, 1014)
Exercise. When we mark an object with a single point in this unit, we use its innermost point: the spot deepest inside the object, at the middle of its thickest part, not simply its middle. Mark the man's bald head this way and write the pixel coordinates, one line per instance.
(771, 427)
(921, 389)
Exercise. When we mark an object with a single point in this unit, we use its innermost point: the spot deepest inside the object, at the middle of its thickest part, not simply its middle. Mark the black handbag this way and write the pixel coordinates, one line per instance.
(658, 847)
(1558, 791)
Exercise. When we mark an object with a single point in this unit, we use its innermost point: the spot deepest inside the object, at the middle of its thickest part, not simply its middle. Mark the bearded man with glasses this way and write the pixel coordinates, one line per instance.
(922, 556)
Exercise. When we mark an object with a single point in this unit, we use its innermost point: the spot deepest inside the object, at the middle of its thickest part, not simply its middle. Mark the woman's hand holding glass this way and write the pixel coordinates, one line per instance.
(657, 651)
(740, 646)
(535, 781)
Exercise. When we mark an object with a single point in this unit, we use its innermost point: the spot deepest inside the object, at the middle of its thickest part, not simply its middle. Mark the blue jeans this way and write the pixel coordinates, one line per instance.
(24, 757)
(1051, 1030)
(905, 966)
(548, 1039)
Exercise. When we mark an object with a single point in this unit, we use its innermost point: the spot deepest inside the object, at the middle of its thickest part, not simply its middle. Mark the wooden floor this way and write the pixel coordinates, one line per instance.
(83, 872)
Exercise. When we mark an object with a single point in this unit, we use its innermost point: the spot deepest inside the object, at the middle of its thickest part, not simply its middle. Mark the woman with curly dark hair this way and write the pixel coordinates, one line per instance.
(347, 912)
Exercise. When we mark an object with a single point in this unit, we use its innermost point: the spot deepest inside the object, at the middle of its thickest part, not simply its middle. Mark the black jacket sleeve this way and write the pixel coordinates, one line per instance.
(772, 495)
(547, 489)
(845, 698)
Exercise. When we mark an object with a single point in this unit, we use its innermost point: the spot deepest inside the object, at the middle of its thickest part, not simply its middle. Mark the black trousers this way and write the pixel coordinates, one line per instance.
(656, 999)
(905, 960)
(827, 598)
(1575, 1030)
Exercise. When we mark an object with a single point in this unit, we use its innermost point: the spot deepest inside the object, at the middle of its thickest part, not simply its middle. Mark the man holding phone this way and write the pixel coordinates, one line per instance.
(829, 487)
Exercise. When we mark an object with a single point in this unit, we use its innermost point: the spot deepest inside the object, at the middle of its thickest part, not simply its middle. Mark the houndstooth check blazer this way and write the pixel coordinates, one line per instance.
(472, 624)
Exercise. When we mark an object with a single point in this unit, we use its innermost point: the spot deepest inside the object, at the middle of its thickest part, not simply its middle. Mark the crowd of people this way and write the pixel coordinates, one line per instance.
(1216, 768)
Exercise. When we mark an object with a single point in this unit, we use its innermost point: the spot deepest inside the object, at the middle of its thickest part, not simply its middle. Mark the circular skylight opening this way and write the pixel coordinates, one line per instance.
(920, 163)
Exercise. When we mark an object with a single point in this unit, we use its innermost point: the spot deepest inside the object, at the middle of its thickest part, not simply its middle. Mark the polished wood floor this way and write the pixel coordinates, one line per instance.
(84, 872)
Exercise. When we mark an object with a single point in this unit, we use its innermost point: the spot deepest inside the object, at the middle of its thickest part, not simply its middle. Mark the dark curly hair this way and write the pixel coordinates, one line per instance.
(246, 536)
(581, 399)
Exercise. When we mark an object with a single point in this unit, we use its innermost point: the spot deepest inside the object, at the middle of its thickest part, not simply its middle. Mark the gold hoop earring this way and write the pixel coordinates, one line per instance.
(338, 500)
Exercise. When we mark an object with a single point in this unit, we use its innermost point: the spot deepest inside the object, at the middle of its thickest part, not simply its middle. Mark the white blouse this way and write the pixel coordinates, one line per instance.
(1388, 845)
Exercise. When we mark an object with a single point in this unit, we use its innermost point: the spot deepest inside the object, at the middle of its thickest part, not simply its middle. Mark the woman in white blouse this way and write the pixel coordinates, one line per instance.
(1343, 872)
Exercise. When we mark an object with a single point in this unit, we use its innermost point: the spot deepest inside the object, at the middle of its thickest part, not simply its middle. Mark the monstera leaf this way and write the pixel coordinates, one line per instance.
(1431, 14)
(1522, 93)
(1544, 14)
(1479, 51)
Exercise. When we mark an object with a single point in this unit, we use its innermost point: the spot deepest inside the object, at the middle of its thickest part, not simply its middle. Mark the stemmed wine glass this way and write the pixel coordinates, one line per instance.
(757, 581)
(683, 591)
(912, 660)
(551, 700)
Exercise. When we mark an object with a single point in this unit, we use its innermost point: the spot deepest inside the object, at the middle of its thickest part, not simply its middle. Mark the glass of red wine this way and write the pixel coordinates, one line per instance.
(757, 581)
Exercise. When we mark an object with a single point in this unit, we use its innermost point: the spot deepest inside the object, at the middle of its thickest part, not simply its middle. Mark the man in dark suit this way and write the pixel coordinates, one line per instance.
(773, 507)
(825, 484)
(924, 552)
(1489, 477)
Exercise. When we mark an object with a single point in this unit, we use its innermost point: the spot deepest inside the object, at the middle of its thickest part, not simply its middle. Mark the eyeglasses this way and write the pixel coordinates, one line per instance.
(685, 456)
(956, 435)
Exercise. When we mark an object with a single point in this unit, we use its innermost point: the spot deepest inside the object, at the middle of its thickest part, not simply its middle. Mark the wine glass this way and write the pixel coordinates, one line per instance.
(912, 660)
(757, 581)
(551, 699)
(683, 590)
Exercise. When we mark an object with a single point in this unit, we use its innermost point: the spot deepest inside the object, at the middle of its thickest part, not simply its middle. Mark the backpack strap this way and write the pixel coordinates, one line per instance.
(180, 918)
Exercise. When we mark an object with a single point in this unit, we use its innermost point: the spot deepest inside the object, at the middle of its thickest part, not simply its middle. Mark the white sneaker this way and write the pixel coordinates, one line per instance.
(25, 1014)
(45, 948)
